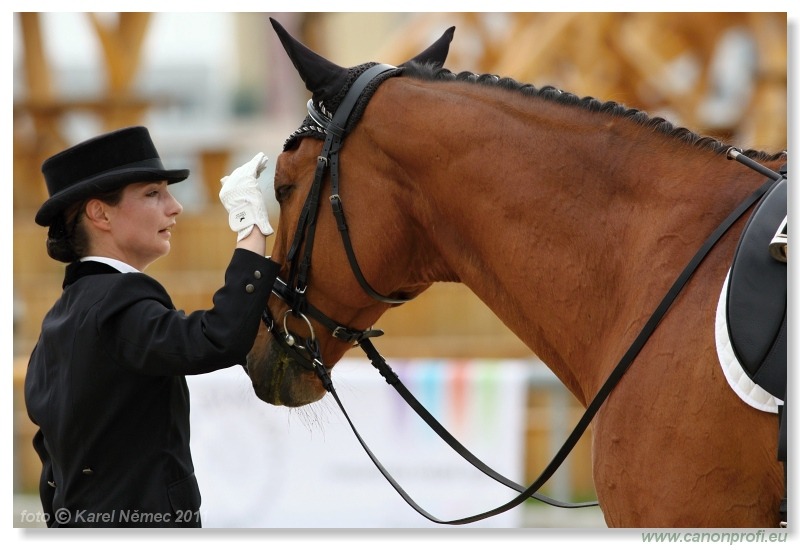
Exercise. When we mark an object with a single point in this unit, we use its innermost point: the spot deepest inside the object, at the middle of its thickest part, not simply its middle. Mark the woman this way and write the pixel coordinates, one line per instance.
(105, 383)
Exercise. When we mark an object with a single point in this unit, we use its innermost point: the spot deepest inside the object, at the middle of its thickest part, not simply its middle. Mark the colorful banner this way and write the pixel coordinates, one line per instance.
(265, 466)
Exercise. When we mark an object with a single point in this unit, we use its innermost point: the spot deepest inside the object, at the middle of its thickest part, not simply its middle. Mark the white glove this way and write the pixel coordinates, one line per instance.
(241, 197)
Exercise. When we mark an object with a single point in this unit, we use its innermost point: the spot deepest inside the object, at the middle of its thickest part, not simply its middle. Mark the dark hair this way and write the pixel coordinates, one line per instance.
(67, 239)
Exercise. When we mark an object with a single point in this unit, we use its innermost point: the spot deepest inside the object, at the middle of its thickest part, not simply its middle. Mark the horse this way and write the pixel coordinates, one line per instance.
(569, 218)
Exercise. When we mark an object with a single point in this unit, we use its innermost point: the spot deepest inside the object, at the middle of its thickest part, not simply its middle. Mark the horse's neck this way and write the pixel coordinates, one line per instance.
(570, 233)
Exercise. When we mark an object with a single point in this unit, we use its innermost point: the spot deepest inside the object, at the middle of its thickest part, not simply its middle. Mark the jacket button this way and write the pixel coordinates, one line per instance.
(257, 274)
(88, 471)
(249, 288)
(52, 484)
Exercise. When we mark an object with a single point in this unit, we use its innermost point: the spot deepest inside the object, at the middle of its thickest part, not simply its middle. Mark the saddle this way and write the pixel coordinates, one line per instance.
(756, 312)
(756, 301)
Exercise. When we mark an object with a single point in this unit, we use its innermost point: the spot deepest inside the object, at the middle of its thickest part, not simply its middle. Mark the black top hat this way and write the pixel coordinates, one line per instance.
(99, 165)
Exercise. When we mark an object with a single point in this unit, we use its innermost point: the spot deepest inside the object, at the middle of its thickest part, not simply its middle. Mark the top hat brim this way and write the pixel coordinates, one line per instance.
(100, 184)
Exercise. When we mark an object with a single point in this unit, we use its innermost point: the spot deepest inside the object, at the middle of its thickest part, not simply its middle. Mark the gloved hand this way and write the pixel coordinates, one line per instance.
(242, 198)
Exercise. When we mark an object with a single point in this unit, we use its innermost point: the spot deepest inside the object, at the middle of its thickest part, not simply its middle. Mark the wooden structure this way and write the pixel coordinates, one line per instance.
(37, 133)
(658, 62)
(39, 115)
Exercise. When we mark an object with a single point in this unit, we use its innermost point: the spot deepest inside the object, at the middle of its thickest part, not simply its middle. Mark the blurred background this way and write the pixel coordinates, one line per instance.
(215, 88)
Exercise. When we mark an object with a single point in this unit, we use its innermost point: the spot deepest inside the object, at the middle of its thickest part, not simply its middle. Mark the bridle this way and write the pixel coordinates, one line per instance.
(306, 351)
(293, 291)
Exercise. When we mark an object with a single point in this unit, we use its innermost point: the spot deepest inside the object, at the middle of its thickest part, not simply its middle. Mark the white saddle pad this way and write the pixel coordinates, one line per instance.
(750, 392)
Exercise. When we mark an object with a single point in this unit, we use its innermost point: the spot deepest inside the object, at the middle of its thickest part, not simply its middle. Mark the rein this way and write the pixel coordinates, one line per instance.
(308, 354)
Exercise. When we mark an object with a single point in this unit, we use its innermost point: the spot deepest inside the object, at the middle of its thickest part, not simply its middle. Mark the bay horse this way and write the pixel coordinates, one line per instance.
(569, 218)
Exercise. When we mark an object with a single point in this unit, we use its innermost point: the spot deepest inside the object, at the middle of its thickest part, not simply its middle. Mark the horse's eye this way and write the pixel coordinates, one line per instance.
(283, 192)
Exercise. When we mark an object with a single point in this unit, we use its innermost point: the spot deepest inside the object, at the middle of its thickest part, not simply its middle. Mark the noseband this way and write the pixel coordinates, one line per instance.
(305, 351)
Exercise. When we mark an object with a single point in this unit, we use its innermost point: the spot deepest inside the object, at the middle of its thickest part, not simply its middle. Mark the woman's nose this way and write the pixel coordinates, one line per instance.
(175, 207)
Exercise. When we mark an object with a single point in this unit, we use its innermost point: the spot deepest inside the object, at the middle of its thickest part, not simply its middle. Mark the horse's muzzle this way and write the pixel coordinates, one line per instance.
(280, 380)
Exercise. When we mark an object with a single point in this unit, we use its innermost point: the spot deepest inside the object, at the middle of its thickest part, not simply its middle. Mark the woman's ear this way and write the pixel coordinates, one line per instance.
(96, 212)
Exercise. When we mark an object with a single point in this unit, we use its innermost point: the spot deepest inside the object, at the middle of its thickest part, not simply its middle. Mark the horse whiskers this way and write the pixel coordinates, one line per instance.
(314, 416)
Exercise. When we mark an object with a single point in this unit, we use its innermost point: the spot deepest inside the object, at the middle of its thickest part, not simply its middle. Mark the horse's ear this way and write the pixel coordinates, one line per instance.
(322, 78)
(436, 52)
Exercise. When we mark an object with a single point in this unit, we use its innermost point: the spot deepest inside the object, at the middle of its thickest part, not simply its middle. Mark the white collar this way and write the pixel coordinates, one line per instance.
(120, 266)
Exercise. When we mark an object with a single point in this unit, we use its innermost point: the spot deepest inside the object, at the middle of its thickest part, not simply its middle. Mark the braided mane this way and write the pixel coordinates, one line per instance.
(550, 93)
